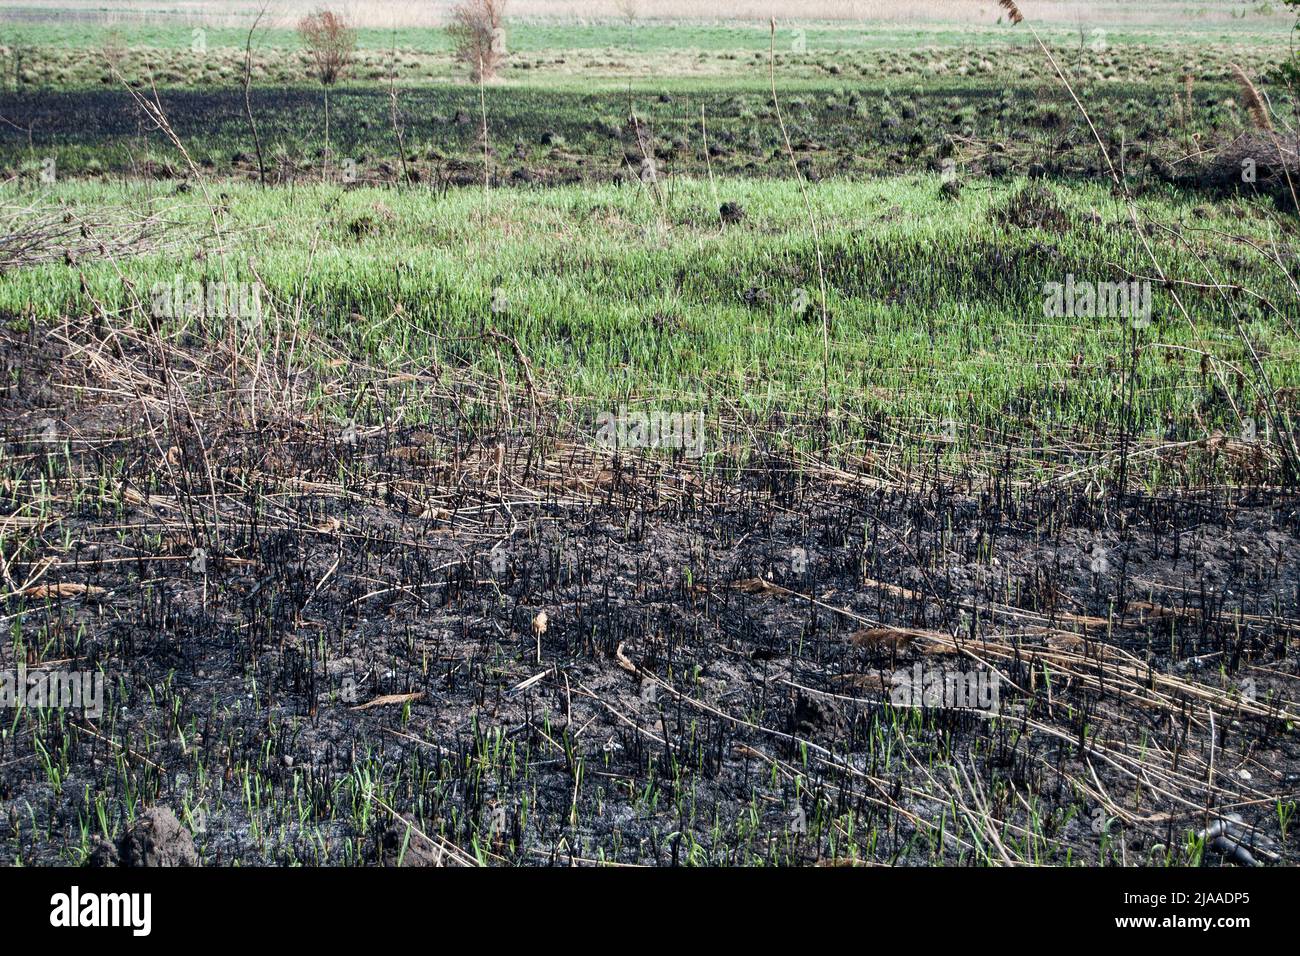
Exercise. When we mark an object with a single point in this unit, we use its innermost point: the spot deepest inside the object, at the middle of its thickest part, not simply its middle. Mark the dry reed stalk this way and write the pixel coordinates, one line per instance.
(1254, 102)
(393, 115)
(482, 104)
(708, 164)
(1257, 106)
(812, 219)
(248, 99)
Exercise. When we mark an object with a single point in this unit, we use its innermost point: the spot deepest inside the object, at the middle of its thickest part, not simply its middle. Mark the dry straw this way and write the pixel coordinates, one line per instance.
(1254, 102)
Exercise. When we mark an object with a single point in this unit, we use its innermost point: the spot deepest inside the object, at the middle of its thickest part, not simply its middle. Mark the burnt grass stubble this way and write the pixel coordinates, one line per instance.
(544, 138)
(327, 593)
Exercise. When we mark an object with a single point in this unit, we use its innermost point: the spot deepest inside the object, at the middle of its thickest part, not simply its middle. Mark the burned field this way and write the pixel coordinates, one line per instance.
(696, 444)
(998, 127)
(477, 642)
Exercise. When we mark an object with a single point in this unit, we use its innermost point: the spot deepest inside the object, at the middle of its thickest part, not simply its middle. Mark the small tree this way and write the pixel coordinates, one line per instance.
(478, 36)
(330, 42)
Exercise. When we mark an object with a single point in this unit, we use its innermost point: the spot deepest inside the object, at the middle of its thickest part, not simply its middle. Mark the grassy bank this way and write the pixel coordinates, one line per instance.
(935, 306)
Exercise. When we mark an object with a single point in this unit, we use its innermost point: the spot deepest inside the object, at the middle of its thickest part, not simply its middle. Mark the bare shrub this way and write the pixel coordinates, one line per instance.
(330, 41)
(478, 36)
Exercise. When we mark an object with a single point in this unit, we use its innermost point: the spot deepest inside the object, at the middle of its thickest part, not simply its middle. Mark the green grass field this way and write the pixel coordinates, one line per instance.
(936, 307)
(45, 54)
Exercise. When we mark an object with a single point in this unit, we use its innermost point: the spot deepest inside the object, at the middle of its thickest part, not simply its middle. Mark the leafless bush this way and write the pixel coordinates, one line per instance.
(330, 41)
(478, 36)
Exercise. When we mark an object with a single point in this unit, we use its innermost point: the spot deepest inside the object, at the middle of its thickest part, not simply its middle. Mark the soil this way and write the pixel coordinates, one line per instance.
(158, 839)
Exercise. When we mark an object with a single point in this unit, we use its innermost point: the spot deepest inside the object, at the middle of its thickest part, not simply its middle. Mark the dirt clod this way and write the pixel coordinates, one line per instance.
(158, 839)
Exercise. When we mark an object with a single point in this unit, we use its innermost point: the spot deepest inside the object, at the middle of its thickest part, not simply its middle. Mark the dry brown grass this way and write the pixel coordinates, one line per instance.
(1254, 102)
